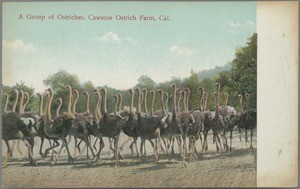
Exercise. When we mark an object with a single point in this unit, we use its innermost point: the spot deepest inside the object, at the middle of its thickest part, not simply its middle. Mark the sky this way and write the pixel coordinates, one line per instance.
(198, 36)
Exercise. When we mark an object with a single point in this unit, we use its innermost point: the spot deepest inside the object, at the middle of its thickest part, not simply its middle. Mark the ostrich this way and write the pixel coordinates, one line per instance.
(130, 127)
(110, 126)
(175, 129)
(208, 117)
(218, 126)
(194, 131)
(58, 127)
(230, 118)
(250, 119)
(149, 127)
(186, 120)
(28, 117)
(241, 117)
(81, 124)
(41, 130)
(14, 128)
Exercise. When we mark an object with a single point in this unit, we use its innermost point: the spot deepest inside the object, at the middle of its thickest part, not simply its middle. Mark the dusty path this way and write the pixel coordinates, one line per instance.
(237, 168)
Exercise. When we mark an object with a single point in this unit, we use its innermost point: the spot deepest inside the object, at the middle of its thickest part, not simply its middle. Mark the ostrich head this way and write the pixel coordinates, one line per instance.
(201, 89)
(152, 91)
(144, 90)
(160, 91)
(58, 100)
(75, 91)
(131, 91)
(218, 85)
(115, 96)
(166, 94)
(240, 95)
(173, 85)
(68, 87)
(85, 93)
(14, 91)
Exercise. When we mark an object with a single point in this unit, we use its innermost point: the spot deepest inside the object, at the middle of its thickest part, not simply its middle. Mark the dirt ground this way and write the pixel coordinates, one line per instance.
(236, 169)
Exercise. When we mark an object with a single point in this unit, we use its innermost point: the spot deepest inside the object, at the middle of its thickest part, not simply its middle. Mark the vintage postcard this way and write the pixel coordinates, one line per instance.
(149, 94)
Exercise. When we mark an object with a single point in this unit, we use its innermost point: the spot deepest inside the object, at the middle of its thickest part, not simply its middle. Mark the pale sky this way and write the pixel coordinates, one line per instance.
(199, 35)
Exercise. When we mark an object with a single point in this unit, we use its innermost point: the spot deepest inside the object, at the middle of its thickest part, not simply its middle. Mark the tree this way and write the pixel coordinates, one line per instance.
(244, 70)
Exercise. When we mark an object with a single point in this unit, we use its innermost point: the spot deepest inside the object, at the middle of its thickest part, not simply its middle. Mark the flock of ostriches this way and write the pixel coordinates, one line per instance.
(161, 127)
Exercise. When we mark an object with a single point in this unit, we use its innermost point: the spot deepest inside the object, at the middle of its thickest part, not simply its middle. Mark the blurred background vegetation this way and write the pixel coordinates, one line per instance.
(236, 77)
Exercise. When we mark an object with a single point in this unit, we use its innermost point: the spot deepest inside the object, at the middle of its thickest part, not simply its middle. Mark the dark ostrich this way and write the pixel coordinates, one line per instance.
(110, 126)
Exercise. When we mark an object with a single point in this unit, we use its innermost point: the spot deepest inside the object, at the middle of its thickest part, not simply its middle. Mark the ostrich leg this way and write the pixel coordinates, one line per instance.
(8, 154)
(101, 146)
(18, 147)
(41, 147)
(116, 150)
(231, 140)
(251, 147)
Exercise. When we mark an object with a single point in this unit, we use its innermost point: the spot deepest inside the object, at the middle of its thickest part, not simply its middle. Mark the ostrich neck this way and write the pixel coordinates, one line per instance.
(174, 101)
(21, 103)
(41, 105)
(152, 103)
(226, 100)
(166, 106)
(87, 103)
(131, 103)
(187, 100)
(178, 105)
(116, 104)
(75, 103)
(120, 105)
(201, 101)
(6, 102)
(248, 104)
(162, 104)
(145, 103)
(184, 101)
(217, 105)
(205, 102)
(241, 105)
(26, 102)
(139, 102)
(49, 106)
(58, 109)
(99, 106)
(105, 101)
(70, 100)
(15, 102)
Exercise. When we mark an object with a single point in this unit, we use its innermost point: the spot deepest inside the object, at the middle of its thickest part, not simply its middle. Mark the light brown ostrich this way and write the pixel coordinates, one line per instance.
(41, 130)
(218, 126)
(230, 119)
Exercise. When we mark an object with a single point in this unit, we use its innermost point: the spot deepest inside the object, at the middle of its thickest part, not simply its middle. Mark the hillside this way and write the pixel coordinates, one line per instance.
(213, 72)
